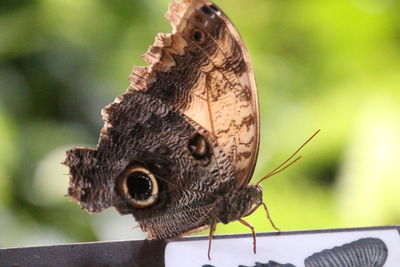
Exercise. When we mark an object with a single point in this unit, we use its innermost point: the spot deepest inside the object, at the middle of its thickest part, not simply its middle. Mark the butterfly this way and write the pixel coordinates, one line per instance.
(179, 147)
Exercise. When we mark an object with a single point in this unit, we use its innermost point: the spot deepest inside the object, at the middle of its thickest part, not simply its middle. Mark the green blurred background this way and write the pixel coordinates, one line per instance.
(333, 65)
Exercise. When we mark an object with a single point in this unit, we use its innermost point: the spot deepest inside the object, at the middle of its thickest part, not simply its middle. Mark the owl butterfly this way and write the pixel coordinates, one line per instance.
(179, 147)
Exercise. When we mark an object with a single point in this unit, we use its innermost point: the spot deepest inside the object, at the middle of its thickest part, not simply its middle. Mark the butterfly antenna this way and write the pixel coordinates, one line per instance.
(282, 166)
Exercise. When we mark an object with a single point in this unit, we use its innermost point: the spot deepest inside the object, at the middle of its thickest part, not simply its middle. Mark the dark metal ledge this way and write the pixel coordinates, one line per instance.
(119, 253)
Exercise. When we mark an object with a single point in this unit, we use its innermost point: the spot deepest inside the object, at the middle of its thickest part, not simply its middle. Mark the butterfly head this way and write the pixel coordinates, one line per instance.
(240, 203)
(255, 195)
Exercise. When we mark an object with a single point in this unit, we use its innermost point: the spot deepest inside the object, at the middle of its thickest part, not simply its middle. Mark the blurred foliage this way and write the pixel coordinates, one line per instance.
(332, 65)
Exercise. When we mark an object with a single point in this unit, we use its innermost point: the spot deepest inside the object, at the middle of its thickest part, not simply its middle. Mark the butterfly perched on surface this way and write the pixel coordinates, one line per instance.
(179, 147)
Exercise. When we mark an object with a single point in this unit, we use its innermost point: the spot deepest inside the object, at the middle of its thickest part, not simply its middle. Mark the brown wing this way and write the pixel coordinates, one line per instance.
(141, 130)
(203, 69)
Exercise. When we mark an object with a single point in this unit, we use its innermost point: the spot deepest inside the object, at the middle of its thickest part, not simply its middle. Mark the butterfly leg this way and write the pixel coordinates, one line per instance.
(252, 231)
(269, 218)
(210, 237)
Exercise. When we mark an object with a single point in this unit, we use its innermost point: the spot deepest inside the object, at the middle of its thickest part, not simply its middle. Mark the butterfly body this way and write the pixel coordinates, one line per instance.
(238, 204)
(179, 147)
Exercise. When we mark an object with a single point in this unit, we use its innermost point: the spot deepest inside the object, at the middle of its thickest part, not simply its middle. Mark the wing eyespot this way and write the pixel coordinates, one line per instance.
(138, 186)
(206, 10)
(216, 9)
(198, 36)
(200, 149)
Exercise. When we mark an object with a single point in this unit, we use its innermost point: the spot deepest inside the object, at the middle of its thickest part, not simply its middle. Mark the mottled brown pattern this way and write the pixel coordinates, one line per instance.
(209, 80)
(141, 128)
(189, 119)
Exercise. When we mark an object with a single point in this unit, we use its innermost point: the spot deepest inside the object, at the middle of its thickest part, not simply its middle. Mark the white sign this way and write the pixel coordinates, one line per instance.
(382, 246)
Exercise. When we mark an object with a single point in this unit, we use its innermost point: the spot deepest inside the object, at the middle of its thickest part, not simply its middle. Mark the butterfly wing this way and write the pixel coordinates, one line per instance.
(152, 163)
(184, 134)
(203, 69)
